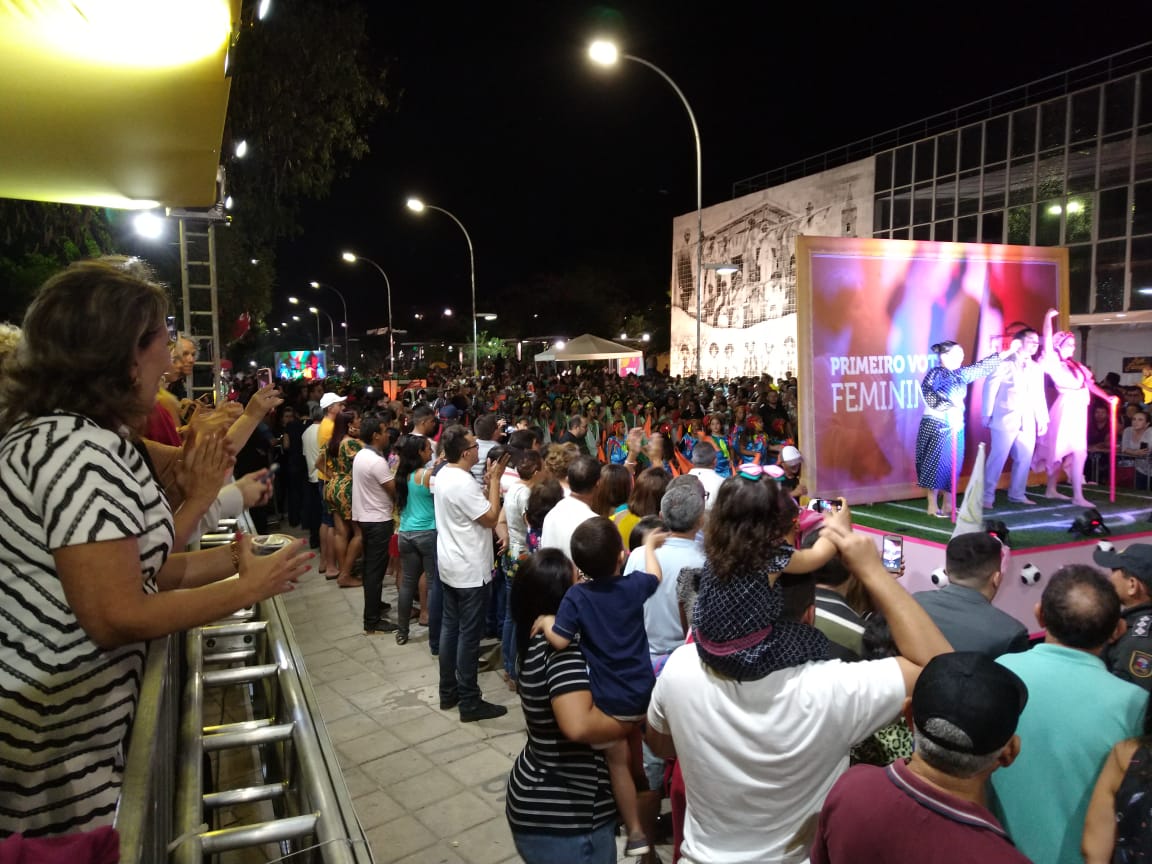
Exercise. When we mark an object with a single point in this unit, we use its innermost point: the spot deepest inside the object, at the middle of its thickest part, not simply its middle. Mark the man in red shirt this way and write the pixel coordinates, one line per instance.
(932, 809)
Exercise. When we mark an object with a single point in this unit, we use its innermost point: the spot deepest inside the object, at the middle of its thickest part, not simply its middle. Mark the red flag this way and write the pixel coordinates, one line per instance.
(243, 323)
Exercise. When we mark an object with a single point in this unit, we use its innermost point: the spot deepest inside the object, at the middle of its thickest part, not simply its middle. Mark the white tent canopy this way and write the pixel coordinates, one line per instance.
(587, 347)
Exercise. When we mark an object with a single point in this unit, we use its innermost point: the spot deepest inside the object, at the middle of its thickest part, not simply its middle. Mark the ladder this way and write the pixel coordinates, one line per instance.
(200, 301)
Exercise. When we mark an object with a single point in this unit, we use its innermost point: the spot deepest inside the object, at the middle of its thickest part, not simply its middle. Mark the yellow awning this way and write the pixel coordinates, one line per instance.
(114, 103)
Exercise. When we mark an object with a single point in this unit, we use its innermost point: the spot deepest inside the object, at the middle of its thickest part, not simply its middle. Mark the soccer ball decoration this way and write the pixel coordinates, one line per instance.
(1030, 574)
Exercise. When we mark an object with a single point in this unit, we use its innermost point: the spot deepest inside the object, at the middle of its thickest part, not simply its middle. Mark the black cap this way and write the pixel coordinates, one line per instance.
(975, 694)
(1136, 560)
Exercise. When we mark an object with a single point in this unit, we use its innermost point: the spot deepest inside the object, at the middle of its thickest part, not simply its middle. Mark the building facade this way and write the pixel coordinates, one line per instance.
(1063, 161)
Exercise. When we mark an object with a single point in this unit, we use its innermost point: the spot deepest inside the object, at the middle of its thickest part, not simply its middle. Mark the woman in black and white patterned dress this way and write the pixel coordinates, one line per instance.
(87, 574)
(944, 389)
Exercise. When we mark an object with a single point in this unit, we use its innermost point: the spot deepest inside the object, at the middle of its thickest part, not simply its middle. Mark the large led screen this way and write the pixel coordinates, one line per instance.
(300, 365)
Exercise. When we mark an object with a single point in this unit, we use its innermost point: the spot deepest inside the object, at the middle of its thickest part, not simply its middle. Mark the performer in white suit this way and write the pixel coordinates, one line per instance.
(1016, 412)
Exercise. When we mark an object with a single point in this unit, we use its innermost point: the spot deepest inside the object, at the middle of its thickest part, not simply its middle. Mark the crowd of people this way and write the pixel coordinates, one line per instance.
(675, 622)
(658, 617)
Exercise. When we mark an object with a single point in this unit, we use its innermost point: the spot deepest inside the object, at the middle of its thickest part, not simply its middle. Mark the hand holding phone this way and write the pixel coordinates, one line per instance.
(892, 552)
(263, 376)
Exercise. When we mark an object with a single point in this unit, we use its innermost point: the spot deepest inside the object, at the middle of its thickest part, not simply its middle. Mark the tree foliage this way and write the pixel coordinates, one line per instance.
(37, 239)
(304, 92)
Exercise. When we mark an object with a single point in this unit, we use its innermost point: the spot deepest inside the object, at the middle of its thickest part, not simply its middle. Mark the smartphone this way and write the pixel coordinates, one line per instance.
(821, 505)
(263, 376)
(893, 552)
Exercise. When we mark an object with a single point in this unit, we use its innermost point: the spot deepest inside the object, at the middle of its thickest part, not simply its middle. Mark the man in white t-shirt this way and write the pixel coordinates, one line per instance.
(704, 469)
(759, 756)
(373, 494)
(466, 513)
(310, 444)
(573, 510)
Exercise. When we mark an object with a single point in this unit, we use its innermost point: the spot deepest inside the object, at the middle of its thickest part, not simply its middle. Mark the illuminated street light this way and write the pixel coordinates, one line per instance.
(317, 286)
(418, 206)
(241, 148)
(352, 258)
(605, 53)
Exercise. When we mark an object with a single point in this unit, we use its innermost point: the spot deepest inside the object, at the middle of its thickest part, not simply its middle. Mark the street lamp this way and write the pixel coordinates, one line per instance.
(352, 258)
(418, 206)
(343, 302)
(606, 53)
(331, 327)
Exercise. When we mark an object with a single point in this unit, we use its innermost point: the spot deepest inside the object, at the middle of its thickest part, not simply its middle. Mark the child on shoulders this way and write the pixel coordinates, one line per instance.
(606, 612)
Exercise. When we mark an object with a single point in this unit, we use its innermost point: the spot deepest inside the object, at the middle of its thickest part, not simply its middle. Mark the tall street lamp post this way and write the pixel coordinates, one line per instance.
(347, 351)
(351, 258)
(418, 206)
(606, 54)
(331, 327)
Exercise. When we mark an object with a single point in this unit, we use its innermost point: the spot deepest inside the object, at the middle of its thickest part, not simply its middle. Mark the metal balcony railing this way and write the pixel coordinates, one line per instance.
(167, 810)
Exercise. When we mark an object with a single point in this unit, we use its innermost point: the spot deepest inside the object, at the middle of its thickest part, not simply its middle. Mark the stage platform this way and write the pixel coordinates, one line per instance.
(1038, 535)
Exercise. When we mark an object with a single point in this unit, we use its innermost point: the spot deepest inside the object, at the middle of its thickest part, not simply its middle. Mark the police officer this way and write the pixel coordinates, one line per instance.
(1130, 657)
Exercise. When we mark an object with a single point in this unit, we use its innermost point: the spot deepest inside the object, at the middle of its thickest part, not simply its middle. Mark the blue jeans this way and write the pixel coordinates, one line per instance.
(508, 639)
(376, 536)
(435, 612)
(494, 623)
(464, 613)
(417, 555)
(596, 847)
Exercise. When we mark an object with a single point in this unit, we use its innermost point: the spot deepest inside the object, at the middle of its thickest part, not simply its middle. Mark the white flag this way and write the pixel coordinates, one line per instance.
(970, 515)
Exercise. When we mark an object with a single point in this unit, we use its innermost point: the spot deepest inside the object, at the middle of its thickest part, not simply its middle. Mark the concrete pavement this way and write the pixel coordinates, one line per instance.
(427, 788)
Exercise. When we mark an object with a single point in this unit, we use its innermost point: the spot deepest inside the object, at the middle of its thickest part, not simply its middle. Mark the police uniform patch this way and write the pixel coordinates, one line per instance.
(1140, 664)
(1143, 625)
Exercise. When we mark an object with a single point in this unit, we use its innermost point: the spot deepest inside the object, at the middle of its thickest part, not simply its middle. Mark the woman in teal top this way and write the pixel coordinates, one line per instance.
(417, 538)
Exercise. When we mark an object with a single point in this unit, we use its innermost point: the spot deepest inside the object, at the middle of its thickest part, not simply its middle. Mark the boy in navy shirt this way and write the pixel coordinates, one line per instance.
(606, 610)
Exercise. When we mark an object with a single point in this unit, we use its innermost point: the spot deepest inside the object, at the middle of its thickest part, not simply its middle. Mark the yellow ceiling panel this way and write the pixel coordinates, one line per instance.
(117, 103)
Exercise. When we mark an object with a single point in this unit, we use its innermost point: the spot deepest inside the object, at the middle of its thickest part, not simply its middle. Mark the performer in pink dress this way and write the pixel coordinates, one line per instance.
(1066, 444)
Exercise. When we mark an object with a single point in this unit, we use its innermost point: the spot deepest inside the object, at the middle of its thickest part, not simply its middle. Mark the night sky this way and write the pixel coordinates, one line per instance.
(553, 163)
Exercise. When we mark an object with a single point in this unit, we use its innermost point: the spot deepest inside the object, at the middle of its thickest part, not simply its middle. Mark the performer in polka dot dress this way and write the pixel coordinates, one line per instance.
(944, 388)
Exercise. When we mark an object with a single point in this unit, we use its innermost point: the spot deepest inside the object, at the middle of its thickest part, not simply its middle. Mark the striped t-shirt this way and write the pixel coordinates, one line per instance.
(66, 705)
(556, 786)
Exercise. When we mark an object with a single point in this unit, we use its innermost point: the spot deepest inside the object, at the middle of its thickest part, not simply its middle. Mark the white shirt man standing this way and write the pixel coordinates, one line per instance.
(373, 493)
(704, 469)
(465, 516)
(572, 511)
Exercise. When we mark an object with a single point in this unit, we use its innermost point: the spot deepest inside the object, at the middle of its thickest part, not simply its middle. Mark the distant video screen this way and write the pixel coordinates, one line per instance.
(300, 365)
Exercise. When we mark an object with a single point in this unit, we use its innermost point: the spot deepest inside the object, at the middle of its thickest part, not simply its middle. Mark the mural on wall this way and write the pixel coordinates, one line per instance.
(748, 317)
